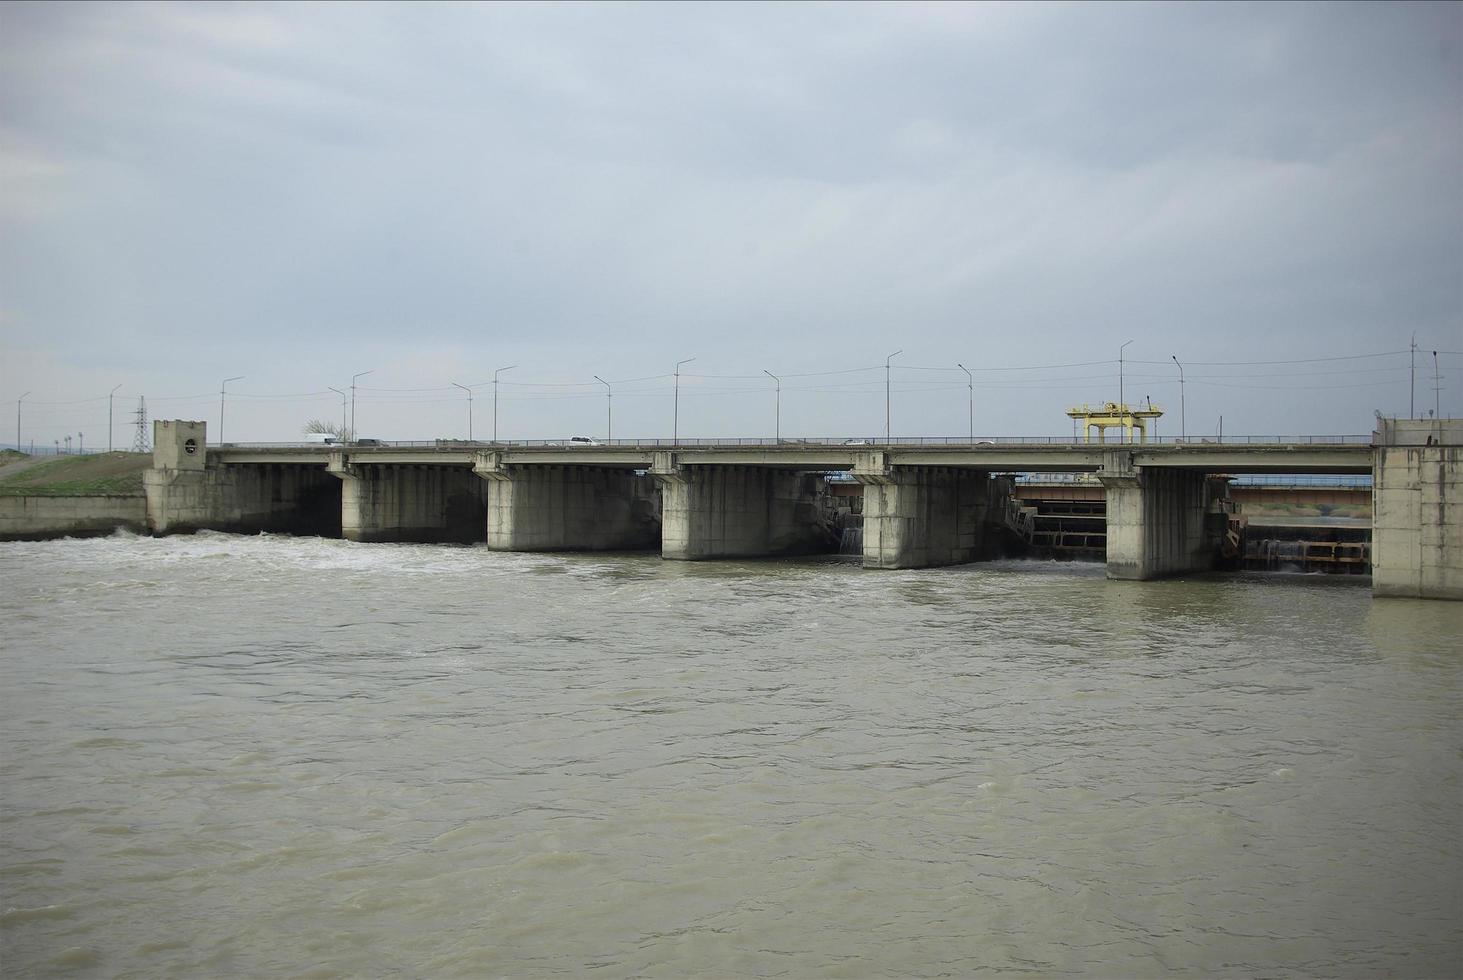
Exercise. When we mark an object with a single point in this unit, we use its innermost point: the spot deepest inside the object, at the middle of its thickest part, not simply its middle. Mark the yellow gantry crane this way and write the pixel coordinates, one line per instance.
(1111, 415)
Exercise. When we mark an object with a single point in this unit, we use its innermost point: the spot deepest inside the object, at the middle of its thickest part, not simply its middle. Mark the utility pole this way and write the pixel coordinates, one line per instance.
(353, 401)
(1127, 431)
(495, 397)
(469, 408)
(17, 420)
(221, 388)
(1412, 381)
(609, 409)
(969, 384)
(888, 434)
(776, 407)
(109, 419)
(1183, 420)
(676, 406)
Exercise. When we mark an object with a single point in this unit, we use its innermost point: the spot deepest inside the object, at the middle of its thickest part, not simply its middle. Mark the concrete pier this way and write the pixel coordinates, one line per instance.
(922, 516)
(568, 508)
(737, 512)
(1156, 523)
(409, 503)
(1417, 509)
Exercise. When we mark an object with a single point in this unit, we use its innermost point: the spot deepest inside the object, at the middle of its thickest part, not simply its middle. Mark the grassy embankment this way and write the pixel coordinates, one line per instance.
(73, 476)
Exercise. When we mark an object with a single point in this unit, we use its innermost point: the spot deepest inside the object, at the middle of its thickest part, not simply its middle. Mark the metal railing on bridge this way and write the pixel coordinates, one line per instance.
(871, 442)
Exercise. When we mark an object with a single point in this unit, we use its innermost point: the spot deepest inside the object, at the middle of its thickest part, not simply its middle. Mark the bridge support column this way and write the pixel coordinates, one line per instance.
(1156, 522)
(922, 516)
(568, 508)
(738, 512)
(1417, 509)
(408, 503)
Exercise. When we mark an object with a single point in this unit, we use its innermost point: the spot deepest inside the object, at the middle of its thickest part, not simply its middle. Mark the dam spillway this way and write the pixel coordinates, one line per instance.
(925, 504)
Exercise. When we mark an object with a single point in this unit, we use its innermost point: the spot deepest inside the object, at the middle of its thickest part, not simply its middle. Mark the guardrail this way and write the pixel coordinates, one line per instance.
(1342, 481)
(872, 442)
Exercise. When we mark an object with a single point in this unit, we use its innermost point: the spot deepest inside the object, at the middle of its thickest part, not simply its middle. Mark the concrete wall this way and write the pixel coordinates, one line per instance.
(925, 516)
(280, 499)
(739, 512)
(39, 518)
(410, 503)
(571, 508)
(1417, 495)
(1156, 523)
(188, 492)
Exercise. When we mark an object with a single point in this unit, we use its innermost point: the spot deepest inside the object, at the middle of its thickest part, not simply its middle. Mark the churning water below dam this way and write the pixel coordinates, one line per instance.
(261, 756)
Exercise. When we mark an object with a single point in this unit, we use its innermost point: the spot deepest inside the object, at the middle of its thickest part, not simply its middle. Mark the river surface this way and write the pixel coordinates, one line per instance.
(230, 756)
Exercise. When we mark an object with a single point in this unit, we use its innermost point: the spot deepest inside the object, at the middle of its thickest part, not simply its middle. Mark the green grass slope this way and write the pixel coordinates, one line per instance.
(74, 476)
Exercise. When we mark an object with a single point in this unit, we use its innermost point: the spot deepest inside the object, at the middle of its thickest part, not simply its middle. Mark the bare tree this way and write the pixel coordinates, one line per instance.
(318, 427)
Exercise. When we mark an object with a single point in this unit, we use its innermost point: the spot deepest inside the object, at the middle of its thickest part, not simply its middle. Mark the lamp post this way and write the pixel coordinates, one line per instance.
(970, 384)
(609, 409)
(1122, 408)
(887, 433)
(109, 421)
(469, 408)
(17, 420)
(776, 407)
(1437, 386)
(676, 407)
(237, 377)
(353, 401)
(1183, 419)
(495, 397)
(343, 433)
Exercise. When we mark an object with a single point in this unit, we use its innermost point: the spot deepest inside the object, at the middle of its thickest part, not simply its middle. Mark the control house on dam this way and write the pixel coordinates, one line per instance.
(1164, 509)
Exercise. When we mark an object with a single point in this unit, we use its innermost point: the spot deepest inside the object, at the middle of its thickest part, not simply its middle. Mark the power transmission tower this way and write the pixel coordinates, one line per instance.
(141, 443)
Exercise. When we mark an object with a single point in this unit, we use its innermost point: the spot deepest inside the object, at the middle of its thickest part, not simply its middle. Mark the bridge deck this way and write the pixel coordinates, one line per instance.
(1307, 457)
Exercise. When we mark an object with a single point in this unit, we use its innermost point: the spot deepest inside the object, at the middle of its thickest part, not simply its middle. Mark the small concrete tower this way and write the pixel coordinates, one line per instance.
(179, 446)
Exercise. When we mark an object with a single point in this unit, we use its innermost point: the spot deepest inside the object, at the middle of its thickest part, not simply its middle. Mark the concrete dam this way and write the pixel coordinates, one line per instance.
(922, 505)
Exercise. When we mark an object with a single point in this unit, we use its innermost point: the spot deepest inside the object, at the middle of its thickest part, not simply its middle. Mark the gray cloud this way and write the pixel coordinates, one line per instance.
(301, 192)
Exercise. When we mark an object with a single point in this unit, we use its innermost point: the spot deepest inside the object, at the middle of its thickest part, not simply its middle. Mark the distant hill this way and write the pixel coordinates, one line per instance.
(98, 474)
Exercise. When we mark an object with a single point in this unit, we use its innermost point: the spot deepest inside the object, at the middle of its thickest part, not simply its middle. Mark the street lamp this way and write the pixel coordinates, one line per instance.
(17, 420)
(109, 419)
(970, 384)
(469, 408)
(1183, 420)
(342, 410)
(353, 401)
(776, 407)
(495, 397)
(887, 435)
(676, 407)
(1122, 409)
(1437, 386)
(237, 377)
(609, 409)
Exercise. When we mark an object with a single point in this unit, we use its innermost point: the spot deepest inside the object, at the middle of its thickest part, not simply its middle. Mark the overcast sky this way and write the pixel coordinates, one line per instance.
(299, 193)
